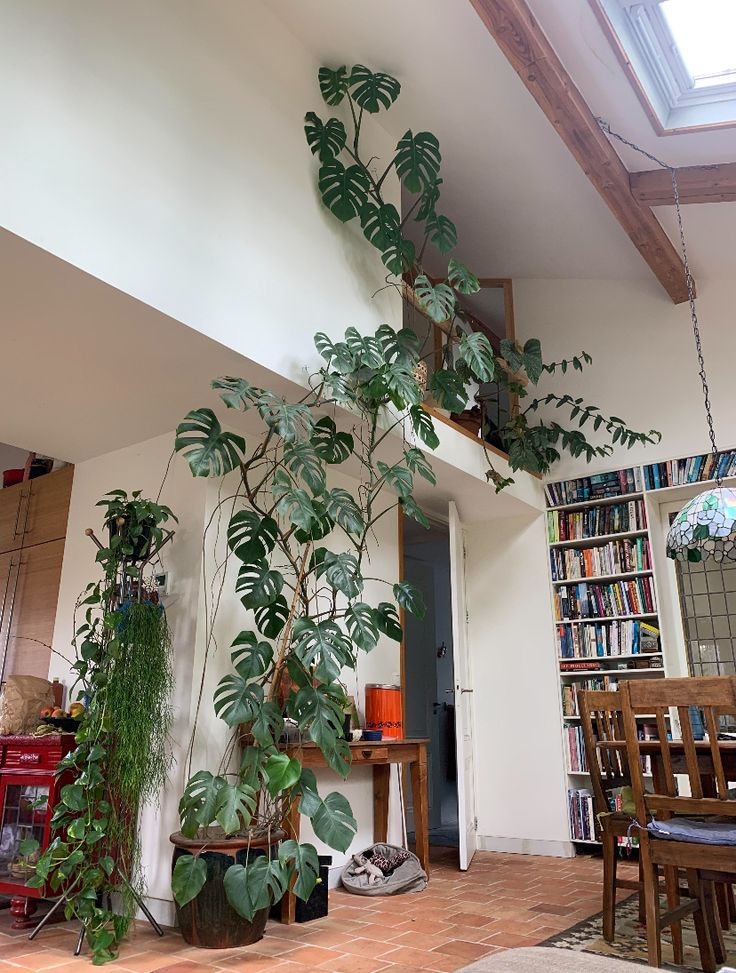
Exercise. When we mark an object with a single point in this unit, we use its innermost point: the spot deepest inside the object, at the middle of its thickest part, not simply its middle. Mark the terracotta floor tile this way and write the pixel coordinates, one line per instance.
(249, 963)
(312, 955)
(356, 964)
(366, 947)
(407, 956)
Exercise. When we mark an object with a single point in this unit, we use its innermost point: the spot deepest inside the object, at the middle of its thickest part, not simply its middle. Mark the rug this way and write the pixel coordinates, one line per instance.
(631, 940)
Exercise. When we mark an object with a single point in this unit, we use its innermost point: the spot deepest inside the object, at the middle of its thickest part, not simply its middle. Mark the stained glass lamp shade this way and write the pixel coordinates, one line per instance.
(705, 527)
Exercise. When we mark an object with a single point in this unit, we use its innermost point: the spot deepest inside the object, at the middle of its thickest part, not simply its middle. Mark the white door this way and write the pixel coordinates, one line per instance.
(463, 695)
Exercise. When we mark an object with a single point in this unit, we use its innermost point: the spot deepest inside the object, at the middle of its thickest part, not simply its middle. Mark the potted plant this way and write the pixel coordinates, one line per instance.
(133, 524)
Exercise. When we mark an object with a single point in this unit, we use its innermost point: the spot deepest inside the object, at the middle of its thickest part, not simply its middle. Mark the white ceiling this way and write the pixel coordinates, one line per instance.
(523, 206)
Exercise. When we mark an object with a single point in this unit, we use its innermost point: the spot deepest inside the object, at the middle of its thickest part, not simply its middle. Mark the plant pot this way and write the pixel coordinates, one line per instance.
(142, 544)
(209, 920)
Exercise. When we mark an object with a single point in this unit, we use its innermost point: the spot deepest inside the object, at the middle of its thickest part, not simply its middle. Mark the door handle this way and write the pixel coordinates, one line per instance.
(466, 691)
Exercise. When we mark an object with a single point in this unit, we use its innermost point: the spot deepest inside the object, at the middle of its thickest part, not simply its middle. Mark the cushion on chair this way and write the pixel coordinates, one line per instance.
(699, 832)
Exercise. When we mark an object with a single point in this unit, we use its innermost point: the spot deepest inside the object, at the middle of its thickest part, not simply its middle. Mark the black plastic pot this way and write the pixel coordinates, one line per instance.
(318, 904)
(209, 920)
(141, 545)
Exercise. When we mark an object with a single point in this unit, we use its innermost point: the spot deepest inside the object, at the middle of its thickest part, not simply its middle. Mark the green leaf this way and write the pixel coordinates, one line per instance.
(306, 789)
(373, 91)
(282, 772)
(255, 886)
(438, 302)
(410, 598)
(533, 363)
(423, 426)
(208, 450)
(442, 233)
(250, 536)
(400, 347)
(291, 421)
(330, 445)
(188, 878)
(333, 83)
(236, 393)
(73, 796)
(251, 658)
(512, 354)
(320, 712)
(303, 462)
(413, 510)
(399, 255)
(417, 463)
(476, 351)
(258, 584)
(341, 571)
(270, 619)
(360, 620)
(461, 279)
(365, 349)
(236, 804)
(268, 725)
(292, 502)
(237, 701)
(448, 389)
(334, 822)
(417, 160)
(252, 766)
(28, 846)
(199, 801)
(387, 621)
(344, 511)
(381, 224)
(402, 386)
(325, 139)
(337, 354)
(322, 646)
(344, 191)
(320, 527)
(429, 199)
(304, 860)
(398, 478)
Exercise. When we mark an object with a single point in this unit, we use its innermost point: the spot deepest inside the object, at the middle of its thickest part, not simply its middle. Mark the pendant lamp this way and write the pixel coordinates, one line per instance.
(706, 525)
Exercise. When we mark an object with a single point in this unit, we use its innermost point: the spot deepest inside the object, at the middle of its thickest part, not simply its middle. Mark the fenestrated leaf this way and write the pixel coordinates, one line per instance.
(365, 349)
(417, 160)
(322, 646)
(344, 511)
(342, 571)
(282, 772)
(476, 351)
(399, 255)
(400, 346)
(410, 597)
(268, 724)
(236, 393)
(251, 766)
(373, 90)
(360, 620)
(256, 885)
(438, 302)
(270, 619)
(402, 386)
(334, 822)
(188, 878)
(512, 354)
(344, 191)
(325, 139)
(413, 510)
(381, 224)
(387, 621)
(417, 463)
(292, 502)
(235, 806)
(461, 279)
(250, 536)
(442, 233)
(321, 714)
(429, 199)
(258, 584)
(333, 83)
(199, 801)
(250, 656)
(320, 526)
(303, 859)
(208, 450)
(337, 354)
(330, 445)
(307, 790)
(423, 426)
(291, 421)
(397, 477)
(448, 389)
(302, 461)
(236, 700)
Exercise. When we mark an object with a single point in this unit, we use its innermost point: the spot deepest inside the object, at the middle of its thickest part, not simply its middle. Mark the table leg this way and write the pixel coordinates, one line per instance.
(381, 785)
(421, 806)
(293, 823)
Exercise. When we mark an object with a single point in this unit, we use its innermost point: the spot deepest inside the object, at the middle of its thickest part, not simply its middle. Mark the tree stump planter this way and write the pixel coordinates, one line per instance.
(209, 920)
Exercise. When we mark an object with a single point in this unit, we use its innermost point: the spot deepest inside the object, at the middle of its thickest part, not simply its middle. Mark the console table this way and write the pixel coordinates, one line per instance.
(380, 756)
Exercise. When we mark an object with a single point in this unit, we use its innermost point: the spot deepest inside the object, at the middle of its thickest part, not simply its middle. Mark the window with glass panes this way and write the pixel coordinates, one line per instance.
(708, 605)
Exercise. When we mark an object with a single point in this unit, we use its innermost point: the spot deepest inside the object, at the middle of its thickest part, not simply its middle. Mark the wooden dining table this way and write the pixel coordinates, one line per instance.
(652, 749)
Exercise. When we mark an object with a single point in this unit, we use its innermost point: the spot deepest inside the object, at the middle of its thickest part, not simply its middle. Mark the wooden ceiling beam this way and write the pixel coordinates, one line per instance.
(695, 184)
(521, 39)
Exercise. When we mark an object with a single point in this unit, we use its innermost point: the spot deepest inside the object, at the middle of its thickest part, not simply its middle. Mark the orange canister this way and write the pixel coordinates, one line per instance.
(383, 710)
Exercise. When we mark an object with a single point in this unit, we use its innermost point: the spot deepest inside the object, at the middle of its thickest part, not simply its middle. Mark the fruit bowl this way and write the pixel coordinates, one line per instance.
(66, 723)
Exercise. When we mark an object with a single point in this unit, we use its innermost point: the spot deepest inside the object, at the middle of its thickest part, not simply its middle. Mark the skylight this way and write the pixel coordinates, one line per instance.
(705, 34)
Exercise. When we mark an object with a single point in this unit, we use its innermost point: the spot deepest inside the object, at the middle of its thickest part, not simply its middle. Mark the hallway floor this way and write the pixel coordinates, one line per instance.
(502, 901)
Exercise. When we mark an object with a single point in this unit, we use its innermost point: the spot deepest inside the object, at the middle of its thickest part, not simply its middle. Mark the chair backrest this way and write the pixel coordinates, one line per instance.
(601, 717)
(712, 695)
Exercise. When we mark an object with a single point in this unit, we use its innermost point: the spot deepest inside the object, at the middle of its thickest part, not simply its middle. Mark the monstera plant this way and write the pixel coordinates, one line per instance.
(354, 188)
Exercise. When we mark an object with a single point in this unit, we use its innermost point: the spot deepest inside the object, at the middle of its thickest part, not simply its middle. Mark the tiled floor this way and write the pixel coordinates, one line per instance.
(503, 901)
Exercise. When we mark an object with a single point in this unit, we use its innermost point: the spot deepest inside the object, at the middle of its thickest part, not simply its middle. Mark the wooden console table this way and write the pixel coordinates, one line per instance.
(380, 756)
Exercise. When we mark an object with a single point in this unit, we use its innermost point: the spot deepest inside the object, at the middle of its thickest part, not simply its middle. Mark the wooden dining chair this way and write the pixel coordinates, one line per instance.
(694, 833)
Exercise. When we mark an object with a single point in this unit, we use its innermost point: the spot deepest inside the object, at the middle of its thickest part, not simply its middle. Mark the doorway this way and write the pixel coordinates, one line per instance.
(429, 673)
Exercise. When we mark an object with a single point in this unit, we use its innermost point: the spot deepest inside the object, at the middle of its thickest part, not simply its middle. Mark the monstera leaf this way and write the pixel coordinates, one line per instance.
(365, 349)
(251, 658)
(235, 806)
(373, 90)
(292, 502)
(417, 463)
(270, 619)
(402, 386)
(321, 713)
(360, 620)
(236, 700)
(250, 536)
(400, 346)
(448, 389)
(322, 645)
(397, 477)
(258, 584)
(344, 511)
(423, 426)
(442, 233)
(236, 393)
(412, 509)
(304, 861)
(410, 597)
(438, 301)
(330, 445)
(428, 200)
(255, 886)
(475, 350)
(417, 160)
(303, 461)
(282, 772)
(381, 224)
(344, 191)
(325, 139)
(461, 279)
(333, 83)
(387, 621)
(208, 450)
(268, 725)
(341, 571)
(334, 822)
(399, 255)
(199, 802)
(188, 878)
(291, 421)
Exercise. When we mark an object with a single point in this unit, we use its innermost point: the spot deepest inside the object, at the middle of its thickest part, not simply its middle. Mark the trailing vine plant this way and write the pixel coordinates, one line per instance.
(353, 187)
(121, 759)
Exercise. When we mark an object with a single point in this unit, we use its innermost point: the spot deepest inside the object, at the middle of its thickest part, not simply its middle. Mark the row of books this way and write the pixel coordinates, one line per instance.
(582, 815)
(589, 600)
(612, 518)
(603, 639)
(692, 469)
(596, 487)
(570, 692)
(576, 759)
(615, 557)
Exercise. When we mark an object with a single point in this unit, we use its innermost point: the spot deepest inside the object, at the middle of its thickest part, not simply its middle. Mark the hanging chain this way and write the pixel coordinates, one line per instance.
(605, 127)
